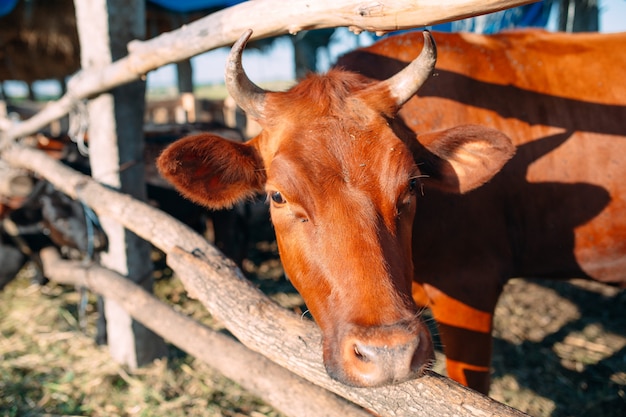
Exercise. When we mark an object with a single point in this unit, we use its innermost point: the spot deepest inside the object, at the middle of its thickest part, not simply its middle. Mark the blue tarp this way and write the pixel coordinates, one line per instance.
(7, 6)
(531, 15)
(180, 6)
(185, 6)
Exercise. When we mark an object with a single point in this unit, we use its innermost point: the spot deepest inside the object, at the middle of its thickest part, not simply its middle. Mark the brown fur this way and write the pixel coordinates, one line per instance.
(365, 244)
(555, 210)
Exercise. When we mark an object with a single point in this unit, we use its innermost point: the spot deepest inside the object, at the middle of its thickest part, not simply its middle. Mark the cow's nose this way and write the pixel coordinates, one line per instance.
(376, 358)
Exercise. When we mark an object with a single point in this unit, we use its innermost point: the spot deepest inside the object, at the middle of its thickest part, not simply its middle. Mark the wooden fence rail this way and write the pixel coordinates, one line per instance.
(268, 18)
(251, 370)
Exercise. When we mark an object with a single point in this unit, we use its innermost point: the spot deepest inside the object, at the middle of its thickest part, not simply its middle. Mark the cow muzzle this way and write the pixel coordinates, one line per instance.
(377, 356)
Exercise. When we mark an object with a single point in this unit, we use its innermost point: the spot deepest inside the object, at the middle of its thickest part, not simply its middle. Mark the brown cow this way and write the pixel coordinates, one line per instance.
(370, 197)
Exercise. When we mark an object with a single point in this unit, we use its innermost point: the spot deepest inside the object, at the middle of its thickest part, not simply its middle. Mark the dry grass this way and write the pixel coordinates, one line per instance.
(49, 366)
(560, 349)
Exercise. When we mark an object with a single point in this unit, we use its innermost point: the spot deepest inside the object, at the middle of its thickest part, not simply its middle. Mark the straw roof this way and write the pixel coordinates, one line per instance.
(38, 39)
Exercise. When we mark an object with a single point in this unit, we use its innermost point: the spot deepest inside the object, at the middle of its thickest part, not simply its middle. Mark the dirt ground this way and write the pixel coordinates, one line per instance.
(560, 350)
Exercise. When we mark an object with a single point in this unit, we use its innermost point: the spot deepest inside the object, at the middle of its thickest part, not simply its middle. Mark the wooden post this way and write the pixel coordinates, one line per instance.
(185, 90)
(578, 16)
(116, 156)
(184, 72)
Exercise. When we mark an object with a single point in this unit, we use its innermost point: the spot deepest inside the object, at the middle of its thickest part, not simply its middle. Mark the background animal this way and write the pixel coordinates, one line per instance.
(48, 217)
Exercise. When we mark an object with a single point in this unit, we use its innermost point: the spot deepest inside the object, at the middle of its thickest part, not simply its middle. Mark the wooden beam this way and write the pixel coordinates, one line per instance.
(267, 18)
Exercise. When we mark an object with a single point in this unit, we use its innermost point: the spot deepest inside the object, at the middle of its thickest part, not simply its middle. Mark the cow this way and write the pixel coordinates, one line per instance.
(342, 209)
(47, 218)
(507, 162)
(555, 210)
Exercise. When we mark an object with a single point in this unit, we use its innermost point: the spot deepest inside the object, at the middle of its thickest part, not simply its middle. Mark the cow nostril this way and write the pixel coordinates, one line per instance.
(363, 353)
(359, 355)
(384, 358)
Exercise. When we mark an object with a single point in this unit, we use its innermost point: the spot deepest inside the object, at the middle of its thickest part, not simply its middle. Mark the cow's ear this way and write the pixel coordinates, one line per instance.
(213, 171)
(460, 159)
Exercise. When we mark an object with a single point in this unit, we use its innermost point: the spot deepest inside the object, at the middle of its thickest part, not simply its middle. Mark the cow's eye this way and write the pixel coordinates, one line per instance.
(407, 196)
(277, 197)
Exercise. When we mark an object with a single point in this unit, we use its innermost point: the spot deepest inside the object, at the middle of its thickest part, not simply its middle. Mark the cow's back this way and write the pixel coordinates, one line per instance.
(557, 208)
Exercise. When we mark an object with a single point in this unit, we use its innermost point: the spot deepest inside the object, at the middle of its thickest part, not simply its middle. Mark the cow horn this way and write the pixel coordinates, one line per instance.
(249, 96)
(405, 84)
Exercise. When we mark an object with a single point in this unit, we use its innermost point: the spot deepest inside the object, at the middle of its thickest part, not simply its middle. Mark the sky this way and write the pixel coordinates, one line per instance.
(612, 15)
(271, 65)
(277, 63)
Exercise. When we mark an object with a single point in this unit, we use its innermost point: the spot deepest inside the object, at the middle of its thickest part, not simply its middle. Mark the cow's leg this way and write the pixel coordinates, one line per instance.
(465, 333)
(468, 356)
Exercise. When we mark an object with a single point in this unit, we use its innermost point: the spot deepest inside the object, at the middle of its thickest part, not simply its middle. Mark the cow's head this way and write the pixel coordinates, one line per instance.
(342, 179)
